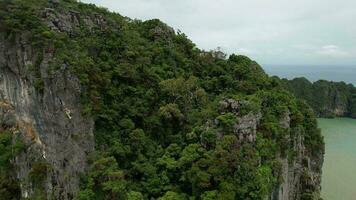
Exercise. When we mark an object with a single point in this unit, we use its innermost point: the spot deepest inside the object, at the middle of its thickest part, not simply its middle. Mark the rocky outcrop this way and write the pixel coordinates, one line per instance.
(45, 108)
(300, 170)
(245, 126)
(300, 178)
(70, 21)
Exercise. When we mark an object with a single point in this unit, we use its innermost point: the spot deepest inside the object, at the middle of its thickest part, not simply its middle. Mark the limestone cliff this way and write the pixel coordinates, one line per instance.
(49, 118)
(301, 171)
(300, 176)
(169, 120)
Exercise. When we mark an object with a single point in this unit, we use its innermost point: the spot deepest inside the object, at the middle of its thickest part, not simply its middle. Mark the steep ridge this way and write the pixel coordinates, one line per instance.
(169, 121)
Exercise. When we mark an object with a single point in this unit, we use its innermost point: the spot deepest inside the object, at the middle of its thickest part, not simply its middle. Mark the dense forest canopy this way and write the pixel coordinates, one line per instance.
(168, 116)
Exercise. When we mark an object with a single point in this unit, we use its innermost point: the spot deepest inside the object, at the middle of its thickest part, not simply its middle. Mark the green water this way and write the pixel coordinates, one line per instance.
(339, 170)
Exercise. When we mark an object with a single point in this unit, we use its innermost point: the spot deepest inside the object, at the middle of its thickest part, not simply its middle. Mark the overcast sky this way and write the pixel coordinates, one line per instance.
(308, 32)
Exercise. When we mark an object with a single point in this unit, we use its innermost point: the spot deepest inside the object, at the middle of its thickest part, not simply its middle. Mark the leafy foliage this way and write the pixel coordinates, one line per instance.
(9, 187)
(151, 93)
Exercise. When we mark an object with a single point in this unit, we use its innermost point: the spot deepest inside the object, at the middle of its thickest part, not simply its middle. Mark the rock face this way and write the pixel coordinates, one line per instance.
(299, 174)
(47, 116)
(246, 125)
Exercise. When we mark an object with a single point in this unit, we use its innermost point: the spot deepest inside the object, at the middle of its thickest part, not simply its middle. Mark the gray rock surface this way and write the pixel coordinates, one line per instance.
(245, 127)
(49, 118)
(298, 174)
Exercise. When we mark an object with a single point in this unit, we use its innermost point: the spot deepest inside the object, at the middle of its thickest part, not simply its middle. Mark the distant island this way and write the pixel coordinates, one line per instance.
(327, 98)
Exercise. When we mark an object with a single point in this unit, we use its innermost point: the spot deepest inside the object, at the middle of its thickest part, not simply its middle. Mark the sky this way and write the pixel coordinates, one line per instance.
(272, 32)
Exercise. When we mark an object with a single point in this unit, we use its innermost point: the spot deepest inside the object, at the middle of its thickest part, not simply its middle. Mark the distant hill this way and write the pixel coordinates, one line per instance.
(327, 98)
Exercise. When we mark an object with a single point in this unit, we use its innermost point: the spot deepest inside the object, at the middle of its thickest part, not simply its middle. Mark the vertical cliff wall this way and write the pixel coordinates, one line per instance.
(47, 113)
(300, 171)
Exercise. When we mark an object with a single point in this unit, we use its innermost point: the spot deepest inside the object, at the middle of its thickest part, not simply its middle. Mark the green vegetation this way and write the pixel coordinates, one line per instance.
(151, 93)
(327, 98)
(9, 147)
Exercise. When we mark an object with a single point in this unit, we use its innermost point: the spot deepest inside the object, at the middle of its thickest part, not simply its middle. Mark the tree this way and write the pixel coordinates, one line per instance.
(172, 196)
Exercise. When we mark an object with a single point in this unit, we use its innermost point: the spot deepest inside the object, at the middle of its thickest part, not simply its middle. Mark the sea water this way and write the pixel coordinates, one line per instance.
(339, 169)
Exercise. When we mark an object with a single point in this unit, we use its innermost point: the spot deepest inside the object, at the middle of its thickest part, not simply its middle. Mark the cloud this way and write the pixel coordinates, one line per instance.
(333, 51)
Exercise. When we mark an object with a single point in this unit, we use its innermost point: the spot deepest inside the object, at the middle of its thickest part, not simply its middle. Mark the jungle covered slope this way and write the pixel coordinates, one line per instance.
(171, 121)
(327, 98)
